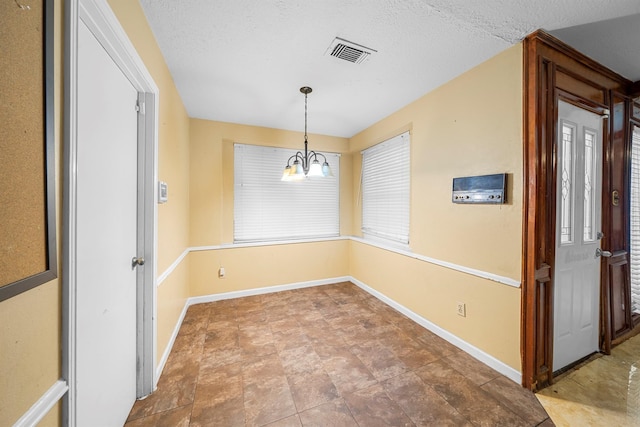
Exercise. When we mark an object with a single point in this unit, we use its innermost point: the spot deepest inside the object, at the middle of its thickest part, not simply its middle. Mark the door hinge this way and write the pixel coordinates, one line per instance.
(140, 107)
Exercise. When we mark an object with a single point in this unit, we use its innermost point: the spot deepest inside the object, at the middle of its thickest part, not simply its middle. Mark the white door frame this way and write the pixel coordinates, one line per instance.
(102, 22)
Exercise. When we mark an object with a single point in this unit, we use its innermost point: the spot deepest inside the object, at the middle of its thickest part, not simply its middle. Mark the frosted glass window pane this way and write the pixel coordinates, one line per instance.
(566, 202)
(589, 179)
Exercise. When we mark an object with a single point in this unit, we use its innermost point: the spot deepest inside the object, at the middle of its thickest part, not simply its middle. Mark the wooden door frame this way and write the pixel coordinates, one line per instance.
(553, 69)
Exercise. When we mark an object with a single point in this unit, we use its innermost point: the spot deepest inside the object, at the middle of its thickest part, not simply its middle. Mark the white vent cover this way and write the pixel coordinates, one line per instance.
(349, 51)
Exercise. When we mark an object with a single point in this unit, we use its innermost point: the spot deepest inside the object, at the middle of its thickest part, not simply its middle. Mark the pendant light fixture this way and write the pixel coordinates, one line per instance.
(307, 164)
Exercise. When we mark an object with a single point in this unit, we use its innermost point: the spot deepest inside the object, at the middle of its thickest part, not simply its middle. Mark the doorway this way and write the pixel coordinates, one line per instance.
(106, 193)
(576, 298)
(554, 74)
(110, 218)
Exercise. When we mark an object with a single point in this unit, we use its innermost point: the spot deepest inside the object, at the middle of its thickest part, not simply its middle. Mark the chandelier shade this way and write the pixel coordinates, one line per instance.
(307, 164)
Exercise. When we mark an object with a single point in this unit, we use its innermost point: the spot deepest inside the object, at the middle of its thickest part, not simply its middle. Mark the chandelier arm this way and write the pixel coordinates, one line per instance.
(295, 156)
(302, 159)
(316, 154)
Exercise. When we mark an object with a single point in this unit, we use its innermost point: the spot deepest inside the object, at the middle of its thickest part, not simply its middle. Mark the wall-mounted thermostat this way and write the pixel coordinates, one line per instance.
(163, 192)
(480, 189)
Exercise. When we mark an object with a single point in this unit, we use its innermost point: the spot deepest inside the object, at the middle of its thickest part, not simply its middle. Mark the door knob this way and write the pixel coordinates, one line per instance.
(605, 254)
(136, 261)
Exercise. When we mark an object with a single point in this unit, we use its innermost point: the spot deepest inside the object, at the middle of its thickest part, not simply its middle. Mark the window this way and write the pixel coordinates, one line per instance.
(635, 221)
(385, 190)
(267, 209)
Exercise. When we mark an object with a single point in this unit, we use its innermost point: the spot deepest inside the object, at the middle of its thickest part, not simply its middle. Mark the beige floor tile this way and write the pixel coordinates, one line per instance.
(605, 391)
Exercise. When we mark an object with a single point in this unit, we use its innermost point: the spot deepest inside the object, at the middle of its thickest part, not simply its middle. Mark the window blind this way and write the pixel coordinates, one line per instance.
(386, 190)
(635, 221)
(266, 208)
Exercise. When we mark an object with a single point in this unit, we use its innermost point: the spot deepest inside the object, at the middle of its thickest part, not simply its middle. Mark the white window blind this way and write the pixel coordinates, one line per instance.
(635, 221)
(386, 190)
(266, 208)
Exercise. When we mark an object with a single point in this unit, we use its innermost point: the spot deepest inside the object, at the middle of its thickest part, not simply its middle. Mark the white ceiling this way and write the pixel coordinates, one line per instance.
(243, 61)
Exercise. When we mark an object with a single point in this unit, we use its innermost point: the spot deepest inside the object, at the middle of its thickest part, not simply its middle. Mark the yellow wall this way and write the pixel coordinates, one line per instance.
(263, 266)
(172, 295)
(469, 126)
(30, 323)
(212, 215)
(211, 186)
(173, 168)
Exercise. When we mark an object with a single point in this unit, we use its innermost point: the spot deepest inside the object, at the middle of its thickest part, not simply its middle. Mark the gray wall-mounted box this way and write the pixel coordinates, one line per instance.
(491, 189)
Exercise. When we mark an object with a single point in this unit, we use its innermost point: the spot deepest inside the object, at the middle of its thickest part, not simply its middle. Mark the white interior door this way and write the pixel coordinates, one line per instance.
(106, 236)
(578, 225)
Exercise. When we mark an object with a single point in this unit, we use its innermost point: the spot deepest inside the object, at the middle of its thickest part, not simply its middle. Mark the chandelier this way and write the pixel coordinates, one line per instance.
(307, 164)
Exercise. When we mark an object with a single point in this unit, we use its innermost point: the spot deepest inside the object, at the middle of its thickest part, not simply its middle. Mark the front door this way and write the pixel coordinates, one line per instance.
(578, 225)
(106, 237)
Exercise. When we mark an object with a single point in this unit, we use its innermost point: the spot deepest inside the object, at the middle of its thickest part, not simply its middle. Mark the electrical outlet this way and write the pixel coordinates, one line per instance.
(461, 309)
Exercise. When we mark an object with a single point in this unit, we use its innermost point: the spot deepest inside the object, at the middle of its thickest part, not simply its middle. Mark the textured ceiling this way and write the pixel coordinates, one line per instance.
(243, 61)
(614, 42)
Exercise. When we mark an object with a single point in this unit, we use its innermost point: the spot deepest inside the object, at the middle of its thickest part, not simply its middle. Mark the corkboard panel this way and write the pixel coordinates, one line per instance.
(23, 198)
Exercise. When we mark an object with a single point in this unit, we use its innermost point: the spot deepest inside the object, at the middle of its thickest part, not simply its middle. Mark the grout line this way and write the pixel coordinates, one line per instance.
(335, 298)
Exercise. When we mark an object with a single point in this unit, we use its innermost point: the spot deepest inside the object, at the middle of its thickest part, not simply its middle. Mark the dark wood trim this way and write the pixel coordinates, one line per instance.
(635, 89)
(590, 85)
(577, 100)
(568, 51)
(530, 166)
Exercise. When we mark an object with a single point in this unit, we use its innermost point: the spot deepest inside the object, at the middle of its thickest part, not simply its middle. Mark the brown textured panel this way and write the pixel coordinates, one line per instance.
(579, 87)
(22, 149)
(618, 274)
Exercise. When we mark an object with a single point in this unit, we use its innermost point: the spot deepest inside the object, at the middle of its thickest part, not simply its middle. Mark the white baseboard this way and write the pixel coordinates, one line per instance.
(482, 356)
(48, 400)
(485, 358)
(236, 294)
(167, 350)
(266, 290)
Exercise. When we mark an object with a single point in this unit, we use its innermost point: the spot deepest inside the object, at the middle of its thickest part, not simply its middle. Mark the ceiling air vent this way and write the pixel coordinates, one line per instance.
(349, 51)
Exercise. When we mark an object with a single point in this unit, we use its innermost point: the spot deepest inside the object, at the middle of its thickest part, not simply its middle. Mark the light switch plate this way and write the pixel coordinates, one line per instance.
(163, 192)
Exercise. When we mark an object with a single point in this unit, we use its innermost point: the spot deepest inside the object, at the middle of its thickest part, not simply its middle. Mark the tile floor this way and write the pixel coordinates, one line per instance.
(324, 356)
(603, 392)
